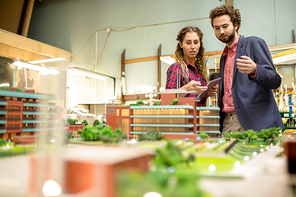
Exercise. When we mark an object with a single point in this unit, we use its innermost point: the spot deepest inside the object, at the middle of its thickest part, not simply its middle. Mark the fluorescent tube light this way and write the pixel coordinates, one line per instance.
(21, 65)
(47, 60)
(87, 73)
(284, 58)
(4, 84)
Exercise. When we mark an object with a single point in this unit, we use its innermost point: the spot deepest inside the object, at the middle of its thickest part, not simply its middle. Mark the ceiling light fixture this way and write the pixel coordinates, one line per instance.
(21, 65)
(87, 73)
(47, 60)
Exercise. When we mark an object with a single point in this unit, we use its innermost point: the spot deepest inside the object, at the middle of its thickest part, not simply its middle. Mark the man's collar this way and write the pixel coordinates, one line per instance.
(232, 47)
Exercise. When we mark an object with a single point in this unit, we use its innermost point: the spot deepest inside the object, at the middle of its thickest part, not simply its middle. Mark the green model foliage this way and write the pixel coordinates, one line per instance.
(236, 135)
(175, 101)
(118, 131)
(3, 142)
(99, 133)
(158, 135)
(171, 156)
(96, 122)
(18, 90)
(226, 135)
(140, 102)
(274, 132)
(203, 135)
(244, 134)
(107, 130)
(251, 133)
(4, 88)
(263, 135)
(151, 135)
(168, 156)
(254, 137)
(87, 133)
(85, 122)
(158, 103)
(71, 121)
(167, 184)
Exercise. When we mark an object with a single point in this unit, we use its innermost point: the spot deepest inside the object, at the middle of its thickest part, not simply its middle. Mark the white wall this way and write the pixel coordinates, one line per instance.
(71, 25)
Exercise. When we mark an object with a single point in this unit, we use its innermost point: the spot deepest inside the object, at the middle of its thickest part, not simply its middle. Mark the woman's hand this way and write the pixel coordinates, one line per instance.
(194, 86)
(213, 91)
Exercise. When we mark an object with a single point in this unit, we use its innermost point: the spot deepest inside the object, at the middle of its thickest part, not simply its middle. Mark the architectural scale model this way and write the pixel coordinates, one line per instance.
(24, 113)
(181, 120)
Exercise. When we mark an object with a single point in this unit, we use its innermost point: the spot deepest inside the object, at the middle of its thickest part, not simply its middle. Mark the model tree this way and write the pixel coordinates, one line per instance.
(237, 135)
(175, 101)
(226, 135)
(274, 132)
(244, 134)
(4, 88)
(168, 156)
(87, 133)
(189, 159)
(203, 135)
(96, 122)
(140, 102)
(85, 122)
(254, 137)
(158, 135)
(2, 142)
(71, 121)
(107, 130)
(263, 134)
(151, 135)
(250, 133)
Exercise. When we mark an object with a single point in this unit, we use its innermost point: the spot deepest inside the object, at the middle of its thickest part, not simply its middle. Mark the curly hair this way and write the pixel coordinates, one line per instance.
(179, 54)
(234, 14)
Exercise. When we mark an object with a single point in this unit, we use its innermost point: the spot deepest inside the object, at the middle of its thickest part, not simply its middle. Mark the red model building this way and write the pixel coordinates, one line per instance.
(181, 120)
(24, 113)
(90, 169)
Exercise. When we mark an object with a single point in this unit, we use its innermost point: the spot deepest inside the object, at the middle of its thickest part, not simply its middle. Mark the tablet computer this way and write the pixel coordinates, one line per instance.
(209, 85)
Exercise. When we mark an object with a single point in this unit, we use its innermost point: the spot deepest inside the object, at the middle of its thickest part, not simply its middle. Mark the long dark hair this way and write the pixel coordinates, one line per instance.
(179, 55)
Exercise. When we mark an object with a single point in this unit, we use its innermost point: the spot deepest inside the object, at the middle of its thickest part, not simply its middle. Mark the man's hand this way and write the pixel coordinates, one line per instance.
(246, 65)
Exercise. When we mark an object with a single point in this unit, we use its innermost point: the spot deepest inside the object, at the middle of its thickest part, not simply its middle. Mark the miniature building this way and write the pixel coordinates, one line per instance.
(93, 168)
(23, 114)
(208, 120)
(119, 116)
(183, 120)
(75, 127)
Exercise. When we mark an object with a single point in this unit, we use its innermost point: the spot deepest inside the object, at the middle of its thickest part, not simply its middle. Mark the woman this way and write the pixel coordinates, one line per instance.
(189, 71)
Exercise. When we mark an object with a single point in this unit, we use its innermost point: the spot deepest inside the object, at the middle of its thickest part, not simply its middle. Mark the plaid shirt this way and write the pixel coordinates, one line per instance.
(177, 79)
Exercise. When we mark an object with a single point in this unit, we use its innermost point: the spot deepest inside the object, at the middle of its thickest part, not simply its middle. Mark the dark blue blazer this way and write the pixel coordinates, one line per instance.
(253, 98)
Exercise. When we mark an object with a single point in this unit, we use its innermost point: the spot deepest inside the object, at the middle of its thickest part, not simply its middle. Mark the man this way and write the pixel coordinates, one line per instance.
(247, 74)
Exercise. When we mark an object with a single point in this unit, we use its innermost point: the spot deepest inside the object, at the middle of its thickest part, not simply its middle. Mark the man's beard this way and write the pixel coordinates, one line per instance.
(229, 39)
